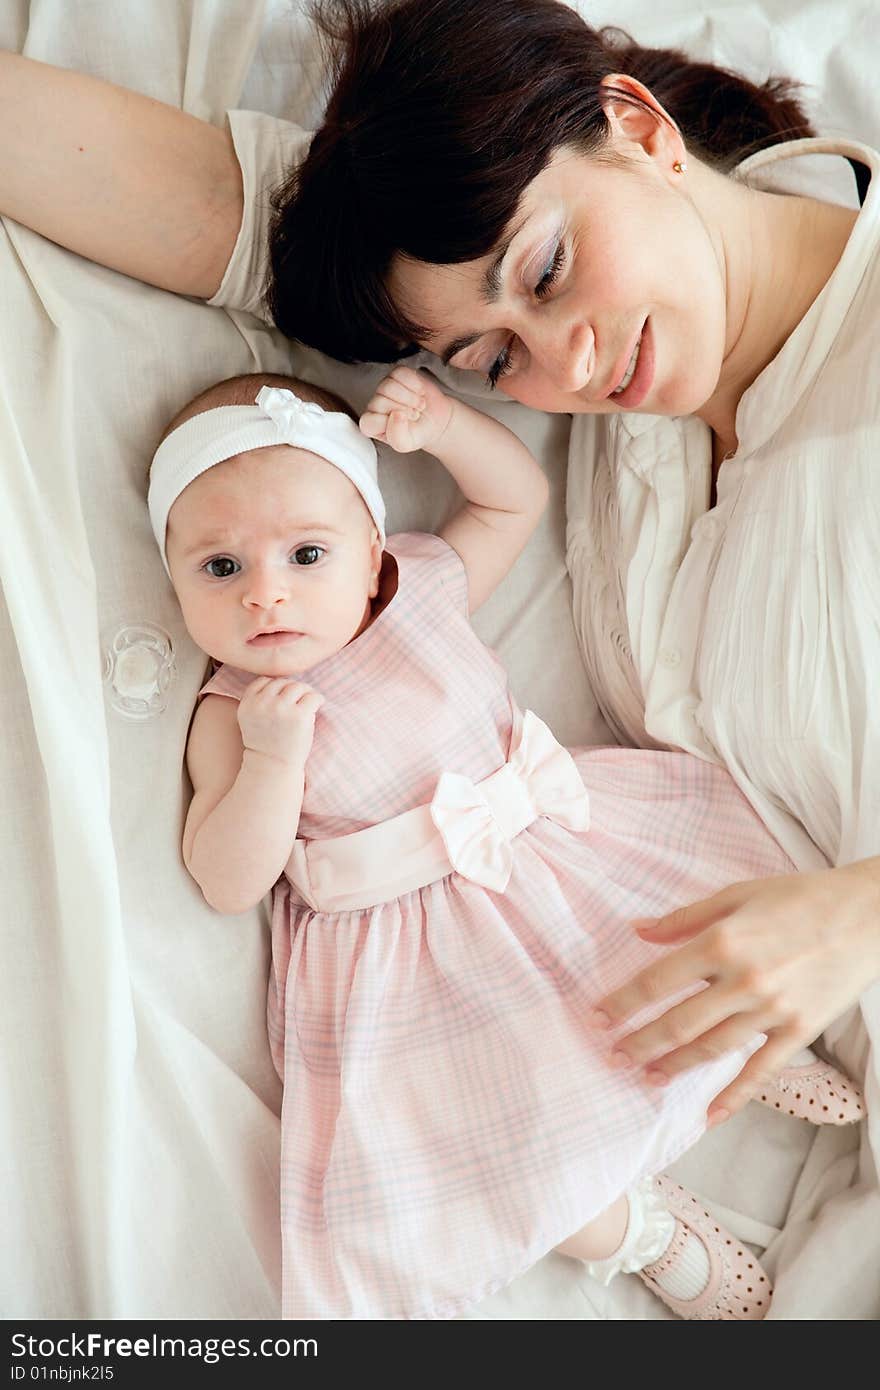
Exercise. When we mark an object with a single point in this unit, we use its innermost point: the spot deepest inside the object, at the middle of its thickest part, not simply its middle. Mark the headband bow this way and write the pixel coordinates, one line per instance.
(276, 417)
(287, 410)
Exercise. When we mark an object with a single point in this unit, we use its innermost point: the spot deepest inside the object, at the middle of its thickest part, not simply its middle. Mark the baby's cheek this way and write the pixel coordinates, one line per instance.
(201, 626)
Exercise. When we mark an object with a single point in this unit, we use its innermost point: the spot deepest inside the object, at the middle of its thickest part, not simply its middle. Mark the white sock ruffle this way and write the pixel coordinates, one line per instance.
(649, 1229)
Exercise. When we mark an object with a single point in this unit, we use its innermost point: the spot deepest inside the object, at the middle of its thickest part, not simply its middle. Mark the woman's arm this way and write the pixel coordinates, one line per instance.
(505, 491)
(247, 766)
(783, 956)
(118, 177)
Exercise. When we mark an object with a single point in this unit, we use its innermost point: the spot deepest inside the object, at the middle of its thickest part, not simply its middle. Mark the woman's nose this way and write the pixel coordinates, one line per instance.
(564, 348)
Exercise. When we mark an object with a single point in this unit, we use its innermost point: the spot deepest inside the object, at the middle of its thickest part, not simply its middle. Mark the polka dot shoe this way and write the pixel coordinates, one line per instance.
(738, 1288)
(817, 1092)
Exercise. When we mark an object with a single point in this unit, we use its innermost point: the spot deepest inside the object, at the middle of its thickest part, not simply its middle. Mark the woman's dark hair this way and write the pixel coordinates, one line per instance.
(440, 115)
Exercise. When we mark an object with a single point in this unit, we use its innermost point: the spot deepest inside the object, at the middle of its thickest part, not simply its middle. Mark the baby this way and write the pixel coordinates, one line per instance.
(452, 889)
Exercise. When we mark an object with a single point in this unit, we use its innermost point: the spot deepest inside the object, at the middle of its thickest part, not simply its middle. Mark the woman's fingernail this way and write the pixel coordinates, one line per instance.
(656, 1078)
(717, 1117)
(619, 1059)
(643, 923)
(598, 1019)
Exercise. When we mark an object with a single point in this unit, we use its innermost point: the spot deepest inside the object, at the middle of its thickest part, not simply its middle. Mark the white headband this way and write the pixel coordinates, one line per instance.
(278, 417)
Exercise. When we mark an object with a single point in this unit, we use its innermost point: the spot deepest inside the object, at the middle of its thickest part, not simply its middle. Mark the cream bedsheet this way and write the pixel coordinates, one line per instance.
(139, 1113)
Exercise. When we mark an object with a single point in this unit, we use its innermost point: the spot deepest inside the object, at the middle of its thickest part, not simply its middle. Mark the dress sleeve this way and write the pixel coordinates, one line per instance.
(267, 149)
(227, 680)
(430, 560)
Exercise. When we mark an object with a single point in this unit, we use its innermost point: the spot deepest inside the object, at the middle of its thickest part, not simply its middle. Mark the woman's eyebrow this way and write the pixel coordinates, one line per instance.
(492, 277)
(456, 346)
(491, 292)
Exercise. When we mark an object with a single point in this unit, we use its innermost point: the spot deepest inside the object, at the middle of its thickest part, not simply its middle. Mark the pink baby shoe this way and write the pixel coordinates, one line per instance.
(738, 1288)
(817, 1092)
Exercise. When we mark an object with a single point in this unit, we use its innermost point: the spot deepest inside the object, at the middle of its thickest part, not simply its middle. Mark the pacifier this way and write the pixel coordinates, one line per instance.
(139, 669)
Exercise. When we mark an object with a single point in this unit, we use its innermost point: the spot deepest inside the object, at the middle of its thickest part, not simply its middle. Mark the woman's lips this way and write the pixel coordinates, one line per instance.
(643, 377)
(273, 639)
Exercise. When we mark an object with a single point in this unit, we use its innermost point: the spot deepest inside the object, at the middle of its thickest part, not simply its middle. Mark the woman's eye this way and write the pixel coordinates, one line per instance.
(551, 272)
(222, 566)
(501, 366)
(503, 362)
(307, 554)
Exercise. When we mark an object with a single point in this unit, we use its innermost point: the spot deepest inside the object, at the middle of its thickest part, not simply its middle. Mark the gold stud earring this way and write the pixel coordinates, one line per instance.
(679, 166)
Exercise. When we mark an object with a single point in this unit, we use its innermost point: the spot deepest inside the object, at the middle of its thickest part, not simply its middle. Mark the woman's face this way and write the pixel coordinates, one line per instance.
(606, 267)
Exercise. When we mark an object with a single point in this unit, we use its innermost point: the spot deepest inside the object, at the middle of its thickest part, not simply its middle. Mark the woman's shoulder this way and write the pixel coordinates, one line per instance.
(267, 149)
(802, 167)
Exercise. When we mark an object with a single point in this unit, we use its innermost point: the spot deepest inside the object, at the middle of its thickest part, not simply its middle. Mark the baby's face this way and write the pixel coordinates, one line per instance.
(274, 558)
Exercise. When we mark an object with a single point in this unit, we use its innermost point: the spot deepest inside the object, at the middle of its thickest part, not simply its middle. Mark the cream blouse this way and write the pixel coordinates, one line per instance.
(749, 633)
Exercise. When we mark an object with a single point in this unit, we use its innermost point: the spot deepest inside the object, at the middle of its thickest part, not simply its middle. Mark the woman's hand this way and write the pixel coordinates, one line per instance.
(408, 411)
(781, 956)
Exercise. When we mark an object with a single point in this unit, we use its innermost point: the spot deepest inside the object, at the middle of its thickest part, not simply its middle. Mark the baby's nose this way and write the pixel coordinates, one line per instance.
(265, 587)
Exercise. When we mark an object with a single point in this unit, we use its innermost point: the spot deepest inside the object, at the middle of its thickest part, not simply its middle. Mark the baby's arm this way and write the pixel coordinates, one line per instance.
(505, 490)
(247, 763)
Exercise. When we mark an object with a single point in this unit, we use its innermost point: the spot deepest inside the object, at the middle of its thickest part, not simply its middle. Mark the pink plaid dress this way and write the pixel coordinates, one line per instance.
(448, 1116)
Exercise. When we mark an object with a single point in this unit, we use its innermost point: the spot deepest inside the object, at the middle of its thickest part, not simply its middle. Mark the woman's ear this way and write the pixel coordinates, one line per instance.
(641, 122)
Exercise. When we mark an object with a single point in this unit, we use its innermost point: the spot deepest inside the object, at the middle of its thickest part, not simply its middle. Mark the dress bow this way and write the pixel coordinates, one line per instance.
(478, 821)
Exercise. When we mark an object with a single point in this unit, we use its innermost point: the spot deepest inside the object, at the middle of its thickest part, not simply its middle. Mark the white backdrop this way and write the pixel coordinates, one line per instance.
(139, 1107)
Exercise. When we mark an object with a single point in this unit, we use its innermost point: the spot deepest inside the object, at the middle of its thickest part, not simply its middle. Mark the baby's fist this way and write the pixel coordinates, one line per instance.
(408, 411)
(276, 715)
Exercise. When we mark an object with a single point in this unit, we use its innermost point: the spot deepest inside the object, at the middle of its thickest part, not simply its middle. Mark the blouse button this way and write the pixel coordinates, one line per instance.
(670, 656)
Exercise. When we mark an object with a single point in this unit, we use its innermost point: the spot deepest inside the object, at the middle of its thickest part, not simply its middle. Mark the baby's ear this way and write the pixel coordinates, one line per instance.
(376, 552)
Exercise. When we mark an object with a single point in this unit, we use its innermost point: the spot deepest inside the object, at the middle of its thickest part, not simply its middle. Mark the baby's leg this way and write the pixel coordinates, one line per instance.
(600, 1237)
(661, 1232)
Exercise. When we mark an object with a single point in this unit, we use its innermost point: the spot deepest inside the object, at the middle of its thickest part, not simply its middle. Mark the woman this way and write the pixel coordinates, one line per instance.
(636, 281)
(522, 208)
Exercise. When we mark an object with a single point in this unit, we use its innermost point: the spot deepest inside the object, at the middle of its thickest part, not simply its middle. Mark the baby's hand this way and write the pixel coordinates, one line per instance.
(408, 411)
(276, 715)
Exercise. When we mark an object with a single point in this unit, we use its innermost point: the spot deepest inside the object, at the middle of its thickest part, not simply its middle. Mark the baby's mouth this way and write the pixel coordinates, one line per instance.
(272, 637)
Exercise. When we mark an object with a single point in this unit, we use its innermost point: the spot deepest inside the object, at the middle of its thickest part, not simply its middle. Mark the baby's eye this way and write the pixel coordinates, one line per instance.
(307, 554)
(222, 566)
